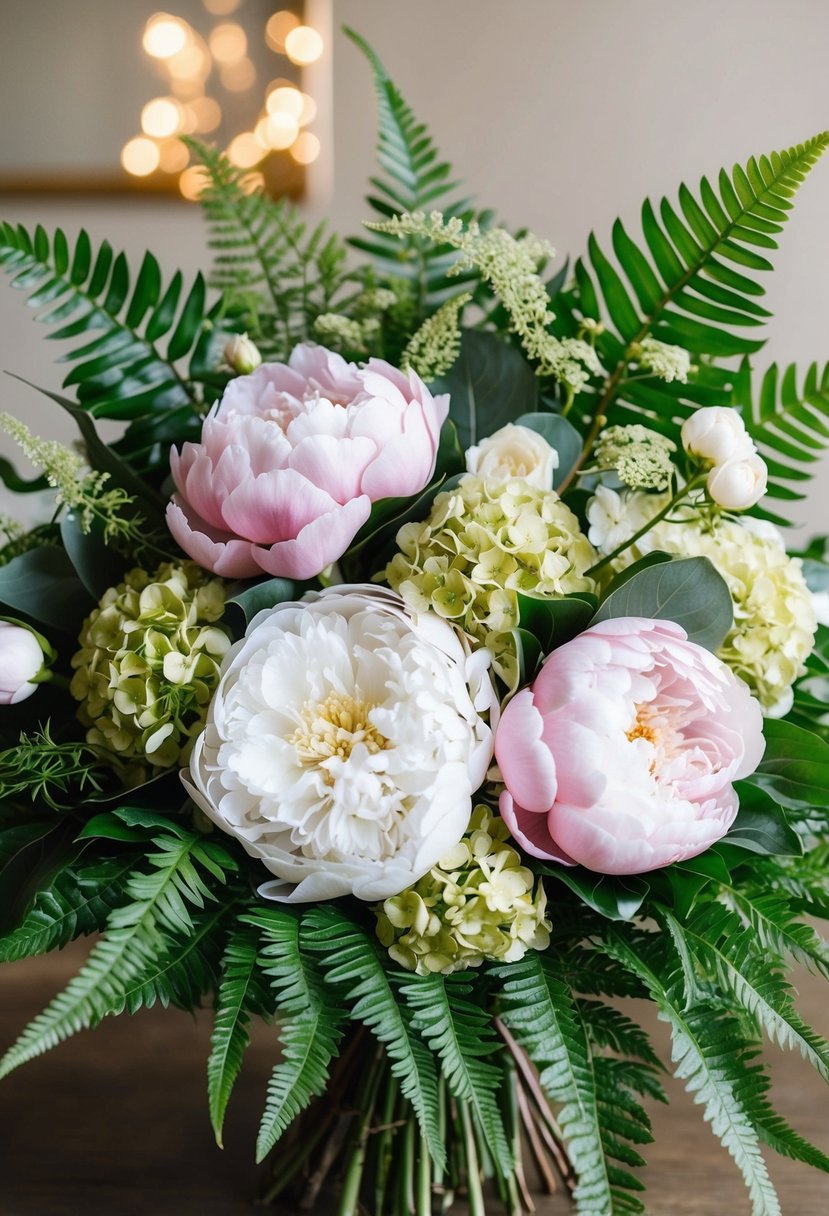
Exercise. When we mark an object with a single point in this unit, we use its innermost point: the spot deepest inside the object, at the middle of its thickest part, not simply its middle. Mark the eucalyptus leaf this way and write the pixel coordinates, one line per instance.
(795, 767)
(43, 584)
(617, 898)
(554, 621)
(260, 596)
(489, 385)
(561, 435)
(687, 590)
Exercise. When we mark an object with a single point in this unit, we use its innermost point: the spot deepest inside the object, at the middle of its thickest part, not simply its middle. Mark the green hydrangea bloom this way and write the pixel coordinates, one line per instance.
(149, 661)
(482, 544)
(477, 903)
(640, 457)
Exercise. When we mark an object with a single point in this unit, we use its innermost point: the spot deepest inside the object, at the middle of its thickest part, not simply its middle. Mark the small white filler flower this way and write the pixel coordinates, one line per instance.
(344, 744)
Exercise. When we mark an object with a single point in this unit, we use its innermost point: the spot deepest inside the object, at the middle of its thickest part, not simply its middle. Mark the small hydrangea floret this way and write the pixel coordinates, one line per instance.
(482, 544)
(478, 903)
(149, 661)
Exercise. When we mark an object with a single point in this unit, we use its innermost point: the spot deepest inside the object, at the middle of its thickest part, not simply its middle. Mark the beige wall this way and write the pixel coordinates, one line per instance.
(561, 115)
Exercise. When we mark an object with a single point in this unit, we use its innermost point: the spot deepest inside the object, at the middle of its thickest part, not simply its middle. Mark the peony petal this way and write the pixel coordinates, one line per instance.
(527, 764)
(337, 465)
(318, 544)
(404, 464)
(274, 506)
(531, 831)
(220, 554)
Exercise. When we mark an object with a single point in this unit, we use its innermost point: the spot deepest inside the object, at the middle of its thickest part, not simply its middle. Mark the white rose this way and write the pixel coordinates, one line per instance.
(21, 661)
(716, 433)
(344, 743)
(514, 451)
(738, 484)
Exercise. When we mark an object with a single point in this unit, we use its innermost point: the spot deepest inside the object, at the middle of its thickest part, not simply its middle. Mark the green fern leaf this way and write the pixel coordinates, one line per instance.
(266, 262)
(539, 1009)
(714, 1060)
(351, 962)
(460, 1033)
(727, 951)
(691, 283)
(777, 928)
(240, 994)
(134, 946)
(123, 372)
(311, 1020)
(417, 180)
(76, 902)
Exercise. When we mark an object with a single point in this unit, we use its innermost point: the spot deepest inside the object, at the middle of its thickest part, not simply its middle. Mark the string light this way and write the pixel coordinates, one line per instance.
(140, 156)
(192, 182)
(304, 45)
(280, 131)
(161, 117)
(238, 77)
(285, 100)
(172, 156)
(221, 8)
(278, 28)
(228, 42)
(245, 150)
(207, 113)
(306, 148)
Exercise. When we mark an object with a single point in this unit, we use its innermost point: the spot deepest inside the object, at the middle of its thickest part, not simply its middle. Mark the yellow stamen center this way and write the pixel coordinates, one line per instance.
(333, 727)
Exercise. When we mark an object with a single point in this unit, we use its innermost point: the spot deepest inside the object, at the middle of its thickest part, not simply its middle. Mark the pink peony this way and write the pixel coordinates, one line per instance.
(621, 756)
(293, 456)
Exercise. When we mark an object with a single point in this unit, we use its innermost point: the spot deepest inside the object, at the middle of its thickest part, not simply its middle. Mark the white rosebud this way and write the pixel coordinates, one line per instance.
(716, 433)
(21, 661)
(242, 354)
(514, 451)
(738, 484)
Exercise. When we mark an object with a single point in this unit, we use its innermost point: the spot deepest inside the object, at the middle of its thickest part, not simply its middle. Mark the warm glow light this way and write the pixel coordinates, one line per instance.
(237, 77)
(285, 100)
(228, 42)
(245, 150)
(309, 110)
(278, 28)
(306, 148)
(191, 63)
(304, 45)
(173, 156)
(221, 8)
(207, 112)
(253, 181)
(282, 130)
(164, 36)
(192, 182)
(161, 117)
(140, 156)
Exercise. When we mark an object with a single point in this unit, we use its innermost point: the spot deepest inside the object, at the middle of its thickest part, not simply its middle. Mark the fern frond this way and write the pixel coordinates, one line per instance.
(539, 1009)
(691, 281)
(727, 952)
(417, 180)
(777, 927)
(77, 901)
(133, 949)
(461, 1034)
(239, 995)
(714, 1060)
(266, 261)
(351, 962)
(125, 372)
(311, 1019)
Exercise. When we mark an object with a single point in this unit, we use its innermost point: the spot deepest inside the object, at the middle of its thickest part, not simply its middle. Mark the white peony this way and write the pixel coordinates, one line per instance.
(514, 451)
(344, 744)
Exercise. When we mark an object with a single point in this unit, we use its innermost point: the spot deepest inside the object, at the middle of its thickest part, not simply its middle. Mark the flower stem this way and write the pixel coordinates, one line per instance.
(679, 497)
(477, 1206)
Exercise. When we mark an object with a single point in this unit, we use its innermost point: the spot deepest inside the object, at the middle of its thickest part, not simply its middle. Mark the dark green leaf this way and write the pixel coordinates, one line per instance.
(490, 384)
(687, 590)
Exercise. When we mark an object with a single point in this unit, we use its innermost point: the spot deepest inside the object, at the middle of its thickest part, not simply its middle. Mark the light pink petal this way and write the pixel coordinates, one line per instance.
(404, 465)
(326, 370)
(531, 831)
(526, 763)
(260, 391)
(336, 464)
(274, 506)
(220, 554)
(318, 545)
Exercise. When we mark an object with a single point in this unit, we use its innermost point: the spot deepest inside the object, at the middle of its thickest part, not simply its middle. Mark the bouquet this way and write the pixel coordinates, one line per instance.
(423, 671)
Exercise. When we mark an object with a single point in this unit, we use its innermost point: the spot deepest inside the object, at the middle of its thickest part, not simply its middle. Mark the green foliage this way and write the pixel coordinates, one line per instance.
(77, 901)
(714, 1059)
(416, 180)
(687, 590)
(311, 1018)
(150, 949)
(59, 775)
(350, 960)
(240, 993)
(156, 349)
(460, 1033)
(600, 1116)
(691, 282)
(43, 584)
(273, 271)
(490, 384)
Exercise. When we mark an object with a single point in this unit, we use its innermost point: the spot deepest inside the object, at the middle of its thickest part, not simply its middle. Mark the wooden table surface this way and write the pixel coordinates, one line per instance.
(114, 1122)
